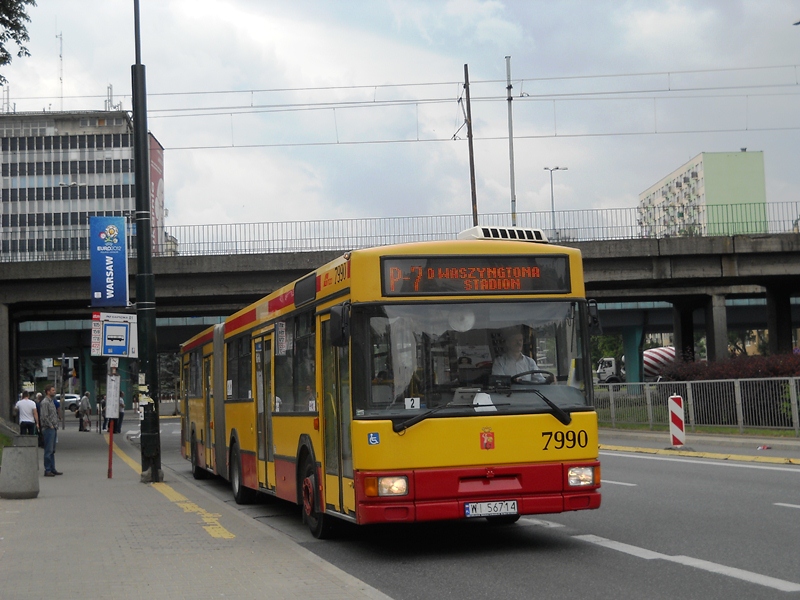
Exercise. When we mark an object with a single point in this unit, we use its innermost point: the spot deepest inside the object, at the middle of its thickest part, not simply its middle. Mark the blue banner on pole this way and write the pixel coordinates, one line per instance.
(109, 261)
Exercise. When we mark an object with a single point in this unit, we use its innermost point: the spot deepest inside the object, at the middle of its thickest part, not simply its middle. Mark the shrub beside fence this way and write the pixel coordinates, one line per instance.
(735, 403)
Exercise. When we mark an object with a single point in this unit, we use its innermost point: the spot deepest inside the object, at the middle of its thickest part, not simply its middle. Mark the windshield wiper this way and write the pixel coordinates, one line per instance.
(559, 413)
(398, 427)
(461, 397)
(505, 388)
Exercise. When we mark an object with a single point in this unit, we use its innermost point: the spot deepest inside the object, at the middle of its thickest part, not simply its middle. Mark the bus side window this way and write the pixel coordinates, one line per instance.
(283, 384)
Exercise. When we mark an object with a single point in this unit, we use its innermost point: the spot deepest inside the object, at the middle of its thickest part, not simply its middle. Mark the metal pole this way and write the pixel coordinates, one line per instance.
(552, 199)
(552, 204)
(471, 153)
(511, 145)
(147, 385)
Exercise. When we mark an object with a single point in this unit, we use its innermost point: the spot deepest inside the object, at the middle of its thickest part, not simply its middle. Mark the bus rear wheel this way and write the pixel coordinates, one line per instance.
(320, 524)
(242, 494)
(197, 471)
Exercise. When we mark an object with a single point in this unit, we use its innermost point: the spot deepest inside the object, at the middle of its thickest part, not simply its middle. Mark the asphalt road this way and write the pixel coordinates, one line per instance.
(670, 527)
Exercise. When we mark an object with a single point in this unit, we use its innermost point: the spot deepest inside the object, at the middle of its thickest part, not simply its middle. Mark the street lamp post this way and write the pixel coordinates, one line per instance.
(552, 199)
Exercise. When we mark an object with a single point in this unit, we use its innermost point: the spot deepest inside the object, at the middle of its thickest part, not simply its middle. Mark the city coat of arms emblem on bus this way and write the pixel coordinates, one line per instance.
(487, 439)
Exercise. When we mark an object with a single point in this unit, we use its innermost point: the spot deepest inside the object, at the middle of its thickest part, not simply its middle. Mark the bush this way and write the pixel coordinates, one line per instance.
(739, 367)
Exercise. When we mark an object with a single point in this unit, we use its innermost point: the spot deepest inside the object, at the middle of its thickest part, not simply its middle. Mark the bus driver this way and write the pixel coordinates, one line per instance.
(514, 362)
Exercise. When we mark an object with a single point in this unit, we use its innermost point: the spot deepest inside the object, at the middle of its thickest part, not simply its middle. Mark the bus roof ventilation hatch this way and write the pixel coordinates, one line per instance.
(524, 234)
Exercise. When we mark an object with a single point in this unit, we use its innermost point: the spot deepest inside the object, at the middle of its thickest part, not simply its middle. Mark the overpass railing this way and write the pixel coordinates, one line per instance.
(31, 243)
(740, 404)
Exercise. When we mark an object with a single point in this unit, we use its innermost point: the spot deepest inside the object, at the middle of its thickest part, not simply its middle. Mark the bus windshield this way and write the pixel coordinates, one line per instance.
(469, 358)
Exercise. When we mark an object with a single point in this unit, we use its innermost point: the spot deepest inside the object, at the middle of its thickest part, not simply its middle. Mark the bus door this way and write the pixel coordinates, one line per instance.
(207, 433)
(264, 400)
(339, 492)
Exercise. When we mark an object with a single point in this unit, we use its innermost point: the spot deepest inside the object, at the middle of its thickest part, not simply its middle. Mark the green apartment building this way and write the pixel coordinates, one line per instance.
(715, 193)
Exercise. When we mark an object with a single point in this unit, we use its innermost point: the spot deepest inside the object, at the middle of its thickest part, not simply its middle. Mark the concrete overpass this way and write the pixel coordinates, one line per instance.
(692, 274)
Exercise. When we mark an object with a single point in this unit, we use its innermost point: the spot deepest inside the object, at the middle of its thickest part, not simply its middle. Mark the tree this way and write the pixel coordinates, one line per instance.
(603, 346)
(13, 16)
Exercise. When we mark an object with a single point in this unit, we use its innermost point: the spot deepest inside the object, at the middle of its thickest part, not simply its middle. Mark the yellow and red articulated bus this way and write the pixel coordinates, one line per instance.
(415, 382)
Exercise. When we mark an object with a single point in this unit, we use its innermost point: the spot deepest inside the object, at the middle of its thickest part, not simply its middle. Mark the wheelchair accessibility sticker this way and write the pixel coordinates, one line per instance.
(373, 439)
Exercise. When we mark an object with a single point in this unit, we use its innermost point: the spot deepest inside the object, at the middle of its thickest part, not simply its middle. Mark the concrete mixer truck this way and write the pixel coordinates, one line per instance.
(654, 361)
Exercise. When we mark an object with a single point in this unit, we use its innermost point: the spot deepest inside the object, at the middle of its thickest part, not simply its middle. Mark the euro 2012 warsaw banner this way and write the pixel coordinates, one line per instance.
(109, 261)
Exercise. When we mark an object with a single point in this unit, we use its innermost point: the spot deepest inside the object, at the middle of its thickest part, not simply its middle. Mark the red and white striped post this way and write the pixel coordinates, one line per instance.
(676, 421)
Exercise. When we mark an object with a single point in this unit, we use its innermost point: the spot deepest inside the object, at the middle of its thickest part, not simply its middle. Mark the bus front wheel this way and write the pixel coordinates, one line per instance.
(320, 524)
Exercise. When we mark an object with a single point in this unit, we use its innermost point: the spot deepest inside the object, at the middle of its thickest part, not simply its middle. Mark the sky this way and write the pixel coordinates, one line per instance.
(316, 109)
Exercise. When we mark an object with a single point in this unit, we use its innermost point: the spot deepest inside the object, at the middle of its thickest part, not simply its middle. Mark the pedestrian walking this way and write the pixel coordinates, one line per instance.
(48, 419)
(85, 412)
(118, 421)
(102, 408)
(38, 401)
(28, 415)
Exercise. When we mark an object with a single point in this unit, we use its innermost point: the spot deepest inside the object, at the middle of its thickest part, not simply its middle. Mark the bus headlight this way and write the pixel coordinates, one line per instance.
(580, 476)
(395, 485)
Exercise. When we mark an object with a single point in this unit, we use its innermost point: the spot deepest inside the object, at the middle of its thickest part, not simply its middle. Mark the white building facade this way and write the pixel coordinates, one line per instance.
(715, 193)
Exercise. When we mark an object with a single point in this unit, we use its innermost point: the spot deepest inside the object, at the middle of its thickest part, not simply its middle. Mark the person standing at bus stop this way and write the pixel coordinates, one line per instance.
(48, 419)
(28, 415)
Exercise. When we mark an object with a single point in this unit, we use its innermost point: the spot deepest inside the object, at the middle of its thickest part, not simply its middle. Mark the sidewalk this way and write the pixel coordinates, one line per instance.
(745, 448)
(88, 536)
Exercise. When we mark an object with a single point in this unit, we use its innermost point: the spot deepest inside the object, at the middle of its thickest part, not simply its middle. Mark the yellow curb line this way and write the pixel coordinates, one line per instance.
(711, 455)
(210, 520)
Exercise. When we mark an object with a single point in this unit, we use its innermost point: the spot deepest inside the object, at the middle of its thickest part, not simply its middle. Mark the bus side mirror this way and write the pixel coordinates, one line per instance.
(340, 324)
(594, 318)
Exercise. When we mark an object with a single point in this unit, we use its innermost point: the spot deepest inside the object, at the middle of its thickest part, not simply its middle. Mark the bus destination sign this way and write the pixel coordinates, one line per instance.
(459, 275)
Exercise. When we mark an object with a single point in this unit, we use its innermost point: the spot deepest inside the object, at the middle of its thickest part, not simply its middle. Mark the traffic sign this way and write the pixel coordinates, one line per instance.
(114, 334)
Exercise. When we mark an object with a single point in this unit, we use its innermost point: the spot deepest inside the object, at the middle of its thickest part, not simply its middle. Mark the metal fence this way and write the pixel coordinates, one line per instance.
(737, 403)
(32, 243)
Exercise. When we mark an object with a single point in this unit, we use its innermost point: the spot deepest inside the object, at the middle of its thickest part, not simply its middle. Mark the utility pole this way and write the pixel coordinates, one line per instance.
(147, 386)
(471, 153)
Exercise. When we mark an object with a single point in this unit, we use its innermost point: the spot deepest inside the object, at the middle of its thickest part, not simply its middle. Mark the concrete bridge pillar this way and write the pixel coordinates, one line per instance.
(779, 320)
(716, 328)
(632, 337)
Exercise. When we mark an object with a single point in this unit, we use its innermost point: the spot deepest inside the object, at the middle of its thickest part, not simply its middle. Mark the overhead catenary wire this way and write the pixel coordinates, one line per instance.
(521, 81)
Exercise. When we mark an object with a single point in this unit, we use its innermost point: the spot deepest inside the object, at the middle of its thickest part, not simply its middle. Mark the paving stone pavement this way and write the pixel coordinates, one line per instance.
(87, 536)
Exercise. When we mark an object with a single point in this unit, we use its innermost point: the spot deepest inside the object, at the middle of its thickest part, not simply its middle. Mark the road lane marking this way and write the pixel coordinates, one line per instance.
(210, 520)
(619, 483)
(540, 523)
(763, 580)
(787, 505)
(716, 456)
(703, 462)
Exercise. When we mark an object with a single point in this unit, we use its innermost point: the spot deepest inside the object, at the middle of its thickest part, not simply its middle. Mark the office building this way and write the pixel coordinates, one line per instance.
(59, 169)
